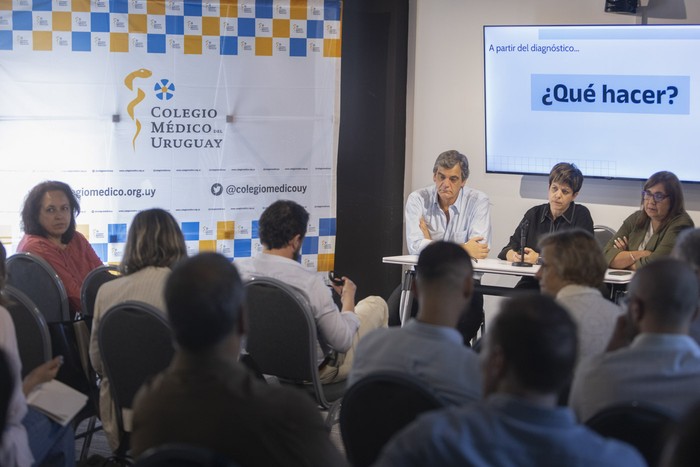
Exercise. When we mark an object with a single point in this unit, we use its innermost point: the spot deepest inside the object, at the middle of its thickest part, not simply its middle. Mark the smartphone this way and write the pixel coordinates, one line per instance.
(335, 278)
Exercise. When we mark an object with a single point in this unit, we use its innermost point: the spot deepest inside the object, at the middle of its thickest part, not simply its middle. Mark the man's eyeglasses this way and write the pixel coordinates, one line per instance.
(658, 196)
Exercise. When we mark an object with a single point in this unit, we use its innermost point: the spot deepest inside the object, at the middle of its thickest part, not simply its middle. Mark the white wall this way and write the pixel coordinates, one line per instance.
(446, 103)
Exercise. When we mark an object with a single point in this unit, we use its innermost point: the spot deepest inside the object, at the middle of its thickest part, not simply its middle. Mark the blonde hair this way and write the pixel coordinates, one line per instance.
(154, 239)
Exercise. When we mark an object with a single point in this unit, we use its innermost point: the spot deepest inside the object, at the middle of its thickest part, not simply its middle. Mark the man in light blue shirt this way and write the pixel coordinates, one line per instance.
(429, 347)
(660, 365)
(450, 211)
(529, 355)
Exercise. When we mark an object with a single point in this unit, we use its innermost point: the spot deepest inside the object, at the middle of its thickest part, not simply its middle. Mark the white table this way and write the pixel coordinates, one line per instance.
(487, 266)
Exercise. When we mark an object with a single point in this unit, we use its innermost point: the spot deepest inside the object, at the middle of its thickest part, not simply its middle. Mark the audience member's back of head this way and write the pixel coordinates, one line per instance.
(687, 248)
(577, 258)
(444, 265)
(204, 296)
(668, 288)
(537, 338)
(154, 239)
(281, 222)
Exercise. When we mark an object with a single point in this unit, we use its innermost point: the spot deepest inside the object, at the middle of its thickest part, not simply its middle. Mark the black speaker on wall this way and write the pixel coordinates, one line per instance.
(621, 6)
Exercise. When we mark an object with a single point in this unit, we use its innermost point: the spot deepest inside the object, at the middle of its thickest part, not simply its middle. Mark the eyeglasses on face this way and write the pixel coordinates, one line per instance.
(658, 196)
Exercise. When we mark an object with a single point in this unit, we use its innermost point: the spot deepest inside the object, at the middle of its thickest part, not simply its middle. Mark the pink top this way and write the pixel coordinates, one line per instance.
(71, 263)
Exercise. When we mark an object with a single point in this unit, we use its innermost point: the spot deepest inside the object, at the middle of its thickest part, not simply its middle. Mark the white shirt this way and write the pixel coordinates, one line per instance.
(469, 217)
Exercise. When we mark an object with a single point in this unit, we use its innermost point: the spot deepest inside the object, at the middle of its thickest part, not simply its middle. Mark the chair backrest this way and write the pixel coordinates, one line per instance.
(182, 455)
(33, 337)
(135, 343)
(6, 388)
(378, 406)
(281, 337)
(603, 234)
(644, 426)
(37, 279)
(92, 283)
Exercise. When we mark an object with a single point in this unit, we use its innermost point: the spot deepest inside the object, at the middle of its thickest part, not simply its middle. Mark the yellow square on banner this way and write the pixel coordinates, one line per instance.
(137, 24)
(225, 230)
(80, 5)
(84, 229)
(229, 8)
(155, 7)
(207, 245)
(5, 5)
(42, 40)
(326, 262)
(297, 9)
(118, 42)
(193, 45)
(331, 47)
(61, 20)
(210, 25)
(263, 46)
(280, 28)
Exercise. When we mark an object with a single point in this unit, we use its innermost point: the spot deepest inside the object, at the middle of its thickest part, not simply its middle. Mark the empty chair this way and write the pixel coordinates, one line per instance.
(644, 426)
(135, 342)
(33, 339)
(603, 234)
(377, 407)
(92, 284)
(281, 338)
(32, 275)
(182, 455)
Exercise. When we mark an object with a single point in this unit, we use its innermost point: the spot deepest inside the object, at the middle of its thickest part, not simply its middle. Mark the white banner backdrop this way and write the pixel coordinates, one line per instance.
(211, 110)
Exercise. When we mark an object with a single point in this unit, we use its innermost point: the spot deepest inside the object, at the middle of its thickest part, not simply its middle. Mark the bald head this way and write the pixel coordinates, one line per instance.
(667, 290)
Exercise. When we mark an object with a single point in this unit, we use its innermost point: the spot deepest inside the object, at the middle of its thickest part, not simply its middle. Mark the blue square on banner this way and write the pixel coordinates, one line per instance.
(116, 233)
(314, 29)
(331, 10)
(310, 246)
(22, 20)
(326, 227)
(228, 45)
(263, 9)
(99, 22)
(246, 27)
(255, 230)
(242, 248)
(5, 40)
(190, 230)
(174, 24)
(41, 5)
(193, 7)
(118, 6)
(101, 250)
(297, 47)
(81, 41)
(155, 43)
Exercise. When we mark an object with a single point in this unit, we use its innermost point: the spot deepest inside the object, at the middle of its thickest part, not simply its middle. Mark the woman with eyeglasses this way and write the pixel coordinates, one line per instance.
(650, 232)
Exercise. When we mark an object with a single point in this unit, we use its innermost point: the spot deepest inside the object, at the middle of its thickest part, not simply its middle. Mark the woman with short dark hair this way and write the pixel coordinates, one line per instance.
(48, 218)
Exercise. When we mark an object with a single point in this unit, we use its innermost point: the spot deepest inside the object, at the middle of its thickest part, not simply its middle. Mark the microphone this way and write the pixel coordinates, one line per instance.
(523, 234)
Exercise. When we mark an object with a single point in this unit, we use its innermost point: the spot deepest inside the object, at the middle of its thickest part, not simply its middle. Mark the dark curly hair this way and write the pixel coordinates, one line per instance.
(32, 207)
(281, 222)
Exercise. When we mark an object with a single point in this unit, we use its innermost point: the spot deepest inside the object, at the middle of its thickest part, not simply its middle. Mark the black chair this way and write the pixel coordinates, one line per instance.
(33, 339)
(135, 343)
(182, 455)
(35, 277)
(644, 426)
(281, 339)
(377, 407)
(92, 283)
(603, 234)
(6, 388)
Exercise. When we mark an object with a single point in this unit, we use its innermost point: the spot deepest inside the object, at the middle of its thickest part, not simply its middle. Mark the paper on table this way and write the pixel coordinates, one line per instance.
(57, 401)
